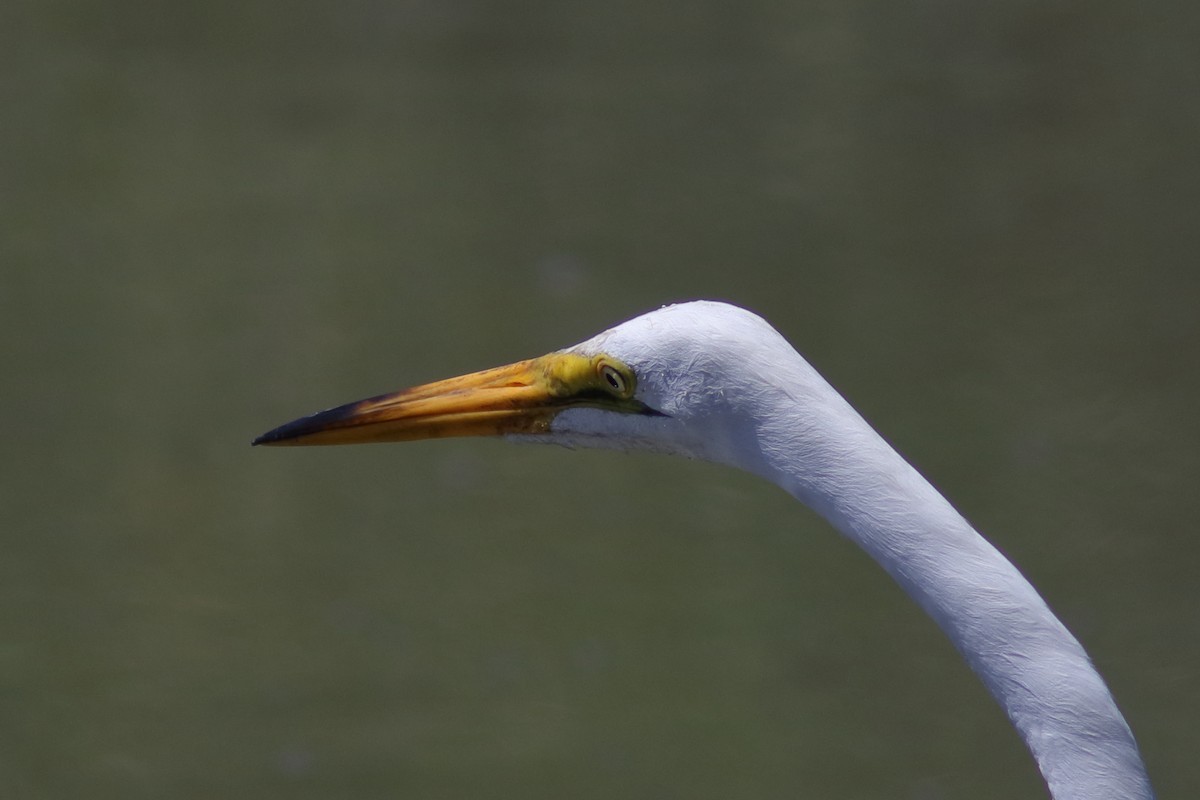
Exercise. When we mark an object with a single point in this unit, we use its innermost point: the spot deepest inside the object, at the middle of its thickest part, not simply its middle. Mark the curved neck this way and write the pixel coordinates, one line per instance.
(822, 452)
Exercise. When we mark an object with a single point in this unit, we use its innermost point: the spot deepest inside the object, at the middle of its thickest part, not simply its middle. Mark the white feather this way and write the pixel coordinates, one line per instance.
(733, 391)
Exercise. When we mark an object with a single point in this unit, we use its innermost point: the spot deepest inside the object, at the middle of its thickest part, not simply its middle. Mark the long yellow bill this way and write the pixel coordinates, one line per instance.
(519, 398)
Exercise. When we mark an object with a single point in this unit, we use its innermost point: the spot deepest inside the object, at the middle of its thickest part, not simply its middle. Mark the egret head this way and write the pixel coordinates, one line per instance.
(712, 381)
(673, 380)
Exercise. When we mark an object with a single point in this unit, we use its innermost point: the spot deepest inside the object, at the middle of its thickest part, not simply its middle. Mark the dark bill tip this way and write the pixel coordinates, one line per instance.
(289, 432)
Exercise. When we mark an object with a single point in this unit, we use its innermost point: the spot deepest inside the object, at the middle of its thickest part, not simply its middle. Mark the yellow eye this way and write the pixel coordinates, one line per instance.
(614, 380)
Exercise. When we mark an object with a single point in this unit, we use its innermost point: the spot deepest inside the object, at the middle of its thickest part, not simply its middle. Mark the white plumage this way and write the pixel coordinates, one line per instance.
(733, 391)
(712, 381)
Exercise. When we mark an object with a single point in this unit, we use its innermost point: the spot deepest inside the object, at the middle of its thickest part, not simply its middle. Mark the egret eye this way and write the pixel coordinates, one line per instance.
(614, 380)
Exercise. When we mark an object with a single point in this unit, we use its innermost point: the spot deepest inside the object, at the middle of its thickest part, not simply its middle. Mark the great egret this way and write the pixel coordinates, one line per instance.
(712, 381)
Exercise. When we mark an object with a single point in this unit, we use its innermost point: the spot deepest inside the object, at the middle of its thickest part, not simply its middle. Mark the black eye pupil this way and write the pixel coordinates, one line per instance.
(613, 379)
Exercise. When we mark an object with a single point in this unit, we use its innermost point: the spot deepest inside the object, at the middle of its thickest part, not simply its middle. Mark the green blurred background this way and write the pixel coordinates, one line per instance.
(978, 220)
